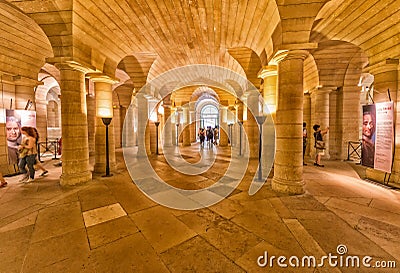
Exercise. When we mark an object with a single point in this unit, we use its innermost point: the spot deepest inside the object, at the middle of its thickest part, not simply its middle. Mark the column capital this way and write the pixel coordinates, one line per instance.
(296, 54)
(382, 67)
(268, 71)
(100, 77)
(322, 89)
(72, 65)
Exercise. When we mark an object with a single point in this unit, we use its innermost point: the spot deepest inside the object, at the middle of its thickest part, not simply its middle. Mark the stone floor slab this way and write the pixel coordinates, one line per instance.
(161, 228)
(103, 214)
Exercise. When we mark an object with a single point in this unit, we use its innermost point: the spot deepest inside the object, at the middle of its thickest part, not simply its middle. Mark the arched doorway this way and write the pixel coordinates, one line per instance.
(209, 116)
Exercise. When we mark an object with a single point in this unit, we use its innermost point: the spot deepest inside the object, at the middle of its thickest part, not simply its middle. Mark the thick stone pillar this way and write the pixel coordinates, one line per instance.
(270, 76)
(179, 121)
(320, 109)
(239, 132)
(142, 124)
(75, 147)
(41, 119)
(223, 130)
(322, 114)
(288, 167)
(186, 126)
(104, 108)
(251, 126)
(128, 133)
(91, 119)
(231, 116)
(168, 126)
(307, 120)
(192, 116)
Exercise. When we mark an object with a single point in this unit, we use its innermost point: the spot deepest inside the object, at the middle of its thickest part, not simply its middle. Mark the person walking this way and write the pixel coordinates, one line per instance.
(304, 141)
(319, 143)
(28, 153)
(38, 164)
(202, 136)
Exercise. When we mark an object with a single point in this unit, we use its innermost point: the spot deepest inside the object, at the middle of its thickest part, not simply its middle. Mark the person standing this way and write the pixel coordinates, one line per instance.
(319, 144)
(304, 141)
(28, 152)
(216, 134)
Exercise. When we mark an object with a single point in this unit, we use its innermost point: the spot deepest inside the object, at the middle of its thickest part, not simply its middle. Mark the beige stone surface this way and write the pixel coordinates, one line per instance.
(47, 234)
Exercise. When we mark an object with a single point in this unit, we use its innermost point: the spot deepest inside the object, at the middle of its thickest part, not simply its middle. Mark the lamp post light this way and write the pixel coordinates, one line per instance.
(157, 123)
(240, 136)
(260, 121)
(177, 134)
(106, 122)
(230, 133)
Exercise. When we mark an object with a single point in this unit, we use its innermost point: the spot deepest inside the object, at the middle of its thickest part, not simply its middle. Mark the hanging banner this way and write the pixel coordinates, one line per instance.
(15, 119)
(384, 136)
(368, 136)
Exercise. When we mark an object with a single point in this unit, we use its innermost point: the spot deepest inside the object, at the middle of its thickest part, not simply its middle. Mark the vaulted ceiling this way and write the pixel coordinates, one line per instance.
(101, 33)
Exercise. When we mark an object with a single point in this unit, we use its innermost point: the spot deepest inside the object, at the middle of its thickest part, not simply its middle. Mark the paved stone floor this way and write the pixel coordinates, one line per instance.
(109, 225)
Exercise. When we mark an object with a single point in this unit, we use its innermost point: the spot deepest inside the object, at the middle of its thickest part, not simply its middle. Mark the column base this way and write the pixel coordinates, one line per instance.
(101, 167)
(75, 179)
(285, 186)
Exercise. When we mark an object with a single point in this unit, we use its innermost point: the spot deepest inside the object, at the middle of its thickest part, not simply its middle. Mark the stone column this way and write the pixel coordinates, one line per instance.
(104, 108)
(41, 119)
(223, 130)
(168, 126)
(186, 126)
(128, 131)
(252, 130)
(75, 147)
(270, 76)
(239, 128)
(307, 120)
(322, 113)
(288, 167)
(91, 119)
(192, 116)
(231, 116)
(142, 124)
(179, 120)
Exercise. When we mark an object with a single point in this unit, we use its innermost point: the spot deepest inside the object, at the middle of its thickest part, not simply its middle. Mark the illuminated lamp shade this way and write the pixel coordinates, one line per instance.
(104, 106)
(161, 110)
(153, 116)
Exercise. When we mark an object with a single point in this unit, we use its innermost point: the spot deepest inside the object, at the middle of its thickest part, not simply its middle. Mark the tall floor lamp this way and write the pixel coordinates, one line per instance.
(240, 136)
(157, 123)
(177, 134)
(260, 122)
(106, 122)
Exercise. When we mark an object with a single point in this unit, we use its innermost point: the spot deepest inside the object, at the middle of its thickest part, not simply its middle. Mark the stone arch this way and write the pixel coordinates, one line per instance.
(26, 47)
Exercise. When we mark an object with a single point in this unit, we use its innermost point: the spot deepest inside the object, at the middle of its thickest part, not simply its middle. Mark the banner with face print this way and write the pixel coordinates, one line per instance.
(15, 119)
(368, 135)
(384, 136)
